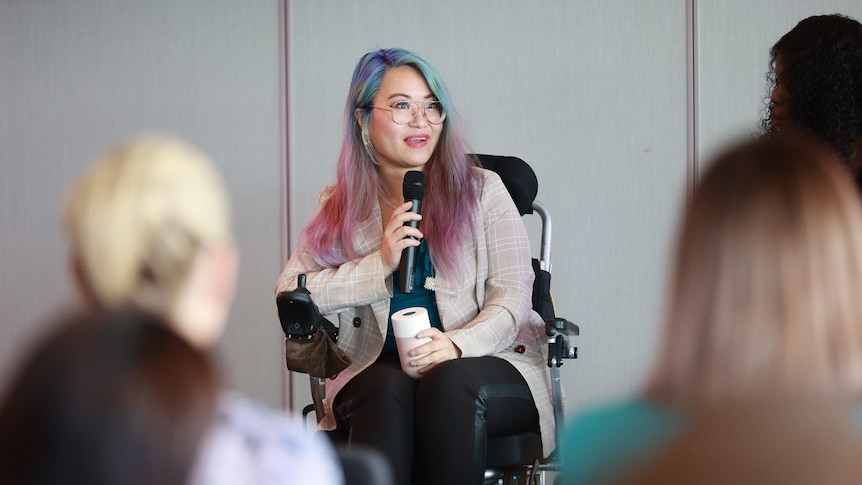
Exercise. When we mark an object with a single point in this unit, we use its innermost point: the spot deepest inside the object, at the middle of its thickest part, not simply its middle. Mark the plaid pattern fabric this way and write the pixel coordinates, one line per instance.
(488, 312)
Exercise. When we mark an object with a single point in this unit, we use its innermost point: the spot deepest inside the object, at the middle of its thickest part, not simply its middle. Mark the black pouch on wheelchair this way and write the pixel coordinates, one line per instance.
(310, 339)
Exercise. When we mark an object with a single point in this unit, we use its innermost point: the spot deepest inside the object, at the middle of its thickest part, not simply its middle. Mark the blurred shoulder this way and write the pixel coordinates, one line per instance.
(634, 411)
(252, 443)
(603, 441)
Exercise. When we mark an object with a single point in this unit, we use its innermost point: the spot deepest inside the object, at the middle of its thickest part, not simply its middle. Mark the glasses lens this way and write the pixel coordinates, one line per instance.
(434, 112)
(403, 112)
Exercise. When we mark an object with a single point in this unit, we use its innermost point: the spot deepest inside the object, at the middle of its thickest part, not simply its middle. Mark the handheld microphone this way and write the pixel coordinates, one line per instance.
(414, 190)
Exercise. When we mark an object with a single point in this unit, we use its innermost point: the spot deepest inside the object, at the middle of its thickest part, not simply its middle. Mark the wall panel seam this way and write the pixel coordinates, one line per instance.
(284, 135)
(692, 108)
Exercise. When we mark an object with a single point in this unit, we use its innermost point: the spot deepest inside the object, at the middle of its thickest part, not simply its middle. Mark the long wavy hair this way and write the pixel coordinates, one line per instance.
(766, 281)
(821, 59)
(452, 183)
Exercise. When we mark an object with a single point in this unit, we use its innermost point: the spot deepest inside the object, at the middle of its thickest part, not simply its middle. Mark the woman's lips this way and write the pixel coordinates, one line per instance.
(417, 141)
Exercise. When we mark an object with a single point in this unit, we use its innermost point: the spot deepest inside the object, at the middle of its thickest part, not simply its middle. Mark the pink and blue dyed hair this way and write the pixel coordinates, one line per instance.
(453, 186)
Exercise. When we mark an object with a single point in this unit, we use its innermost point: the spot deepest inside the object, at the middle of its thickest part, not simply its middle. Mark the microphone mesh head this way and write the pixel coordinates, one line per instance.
(414, 185)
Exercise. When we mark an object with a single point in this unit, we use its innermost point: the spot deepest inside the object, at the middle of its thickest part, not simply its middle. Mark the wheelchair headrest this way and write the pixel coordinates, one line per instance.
(518, 177)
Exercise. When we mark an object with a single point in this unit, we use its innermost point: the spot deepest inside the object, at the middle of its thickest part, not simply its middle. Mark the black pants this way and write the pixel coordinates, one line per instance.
(434, 429)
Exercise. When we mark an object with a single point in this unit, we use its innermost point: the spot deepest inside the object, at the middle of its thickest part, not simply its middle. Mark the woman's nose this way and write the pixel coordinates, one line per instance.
(418, 120)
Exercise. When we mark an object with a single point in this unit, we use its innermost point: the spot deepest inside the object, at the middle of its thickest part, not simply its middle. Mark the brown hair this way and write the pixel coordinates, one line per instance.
(767, 280)
(107, 399)
(766, 440)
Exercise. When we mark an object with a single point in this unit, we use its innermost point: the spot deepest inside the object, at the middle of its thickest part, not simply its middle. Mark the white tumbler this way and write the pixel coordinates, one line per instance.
(406, 324)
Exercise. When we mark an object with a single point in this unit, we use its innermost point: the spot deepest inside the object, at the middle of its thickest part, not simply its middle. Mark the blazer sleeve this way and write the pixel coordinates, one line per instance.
(358, 282)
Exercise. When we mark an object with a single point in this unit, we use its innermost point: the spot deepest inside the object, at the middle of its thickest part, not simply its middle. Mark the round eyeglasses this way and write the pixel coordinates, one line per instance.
(404, 111)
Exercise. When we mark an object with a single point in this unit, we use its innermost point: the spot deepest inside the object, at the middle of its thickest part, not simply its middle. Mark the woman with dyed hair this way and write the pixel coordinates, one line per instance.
(484, 365)
(816, 77)
(763, 301)
(149, 227)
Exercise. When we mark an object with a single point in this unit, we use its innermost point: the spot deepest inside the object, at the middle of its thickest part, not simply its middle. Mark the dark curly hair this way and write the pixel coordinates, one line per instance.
(821, 59)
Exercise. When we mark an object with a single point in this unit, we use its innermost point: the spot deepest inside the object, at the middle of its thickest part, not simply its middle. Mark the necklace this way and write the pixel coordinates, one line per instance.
(386, 201)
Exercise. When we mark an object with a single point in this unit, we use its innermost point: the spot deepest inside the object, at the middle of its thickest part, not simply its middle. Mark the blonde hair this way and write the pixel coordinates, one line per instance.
(137, 219)
(767, 285)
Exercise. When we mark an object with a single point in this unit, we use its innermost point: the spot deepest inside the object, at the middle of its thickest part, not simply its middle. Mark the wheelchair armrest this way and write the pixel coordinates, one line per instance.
(559, 347)
(555, 326)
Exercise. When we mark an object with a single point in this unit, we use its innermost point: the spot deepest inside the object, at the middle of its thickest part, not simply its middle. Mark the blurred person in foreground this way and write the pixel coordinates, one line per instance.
(149, 226)
(107, 399)
(815, 76)
(763, 297)
(762, 440)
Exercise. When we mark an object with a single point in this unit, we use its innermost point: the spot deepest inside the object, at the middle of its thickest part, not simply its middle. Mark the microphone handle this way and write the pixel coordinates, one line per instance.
(407, 266)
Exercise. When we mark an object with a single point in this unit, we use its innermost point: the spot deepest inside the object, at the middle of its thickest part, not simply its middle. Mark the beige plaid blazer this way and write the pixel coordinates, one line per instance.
(489, 312)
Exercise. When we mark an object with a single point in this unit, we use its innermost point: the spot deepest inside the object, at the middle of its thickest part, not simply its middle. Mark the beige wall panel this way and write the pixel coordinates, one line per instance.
(76, 77)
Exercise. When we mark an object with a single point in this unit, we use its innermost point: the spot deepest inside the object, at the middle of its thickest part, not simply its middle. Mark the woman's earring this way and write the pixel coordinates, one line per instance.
(369, 148)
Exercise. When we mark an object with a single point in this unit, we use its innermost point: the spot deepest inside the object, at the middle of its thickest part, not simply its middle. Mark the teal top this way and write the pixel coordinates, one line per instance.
(603, 443)
(420, 297)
